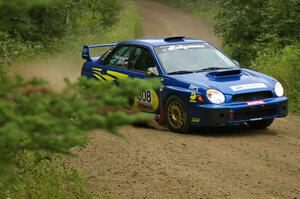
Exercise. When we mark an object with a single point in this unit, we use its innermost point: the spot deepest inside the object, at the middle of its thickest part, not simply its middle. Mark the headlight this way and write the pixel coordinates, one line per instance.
(215, 96)
(279, 89)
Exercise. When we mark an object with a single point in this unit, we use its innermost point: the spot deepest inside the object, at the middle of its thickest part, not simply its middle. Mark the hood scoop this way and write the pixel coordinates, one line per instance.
(224, 73)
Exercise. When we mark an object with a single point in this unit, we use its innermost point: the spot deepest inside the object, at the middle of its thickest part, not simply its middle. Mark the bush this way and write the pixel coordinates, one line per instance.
(251, 26)
(43, 176)
(283, 64)
(14, 48)
(33, 118)
(35, 25)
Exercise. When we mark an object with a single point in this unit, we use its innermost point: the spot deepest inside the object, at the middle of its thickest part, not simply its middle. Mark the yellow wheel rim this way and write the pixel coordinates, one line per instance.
(176, 115)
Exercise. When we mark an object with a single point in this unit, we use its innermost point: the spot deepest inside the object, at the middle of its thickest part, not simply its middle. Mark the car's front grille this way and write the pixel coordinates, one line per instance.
(255, 112)
(246, 97)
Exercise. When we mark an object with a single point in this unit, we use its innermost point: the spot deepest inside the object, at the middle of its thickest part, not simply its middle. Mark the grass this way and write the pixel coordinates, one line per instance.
(284, 66)
(47, 178)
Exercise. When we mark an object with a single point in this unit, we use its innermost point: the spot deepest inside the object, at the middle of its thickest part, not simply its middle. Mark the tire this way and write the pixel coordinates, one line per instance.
(176, 115)
(261, 124)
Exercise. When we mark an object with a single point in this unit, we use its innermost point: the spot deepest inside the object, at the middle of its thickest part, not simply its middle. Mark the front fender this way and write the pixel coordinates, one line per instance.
(183, 93)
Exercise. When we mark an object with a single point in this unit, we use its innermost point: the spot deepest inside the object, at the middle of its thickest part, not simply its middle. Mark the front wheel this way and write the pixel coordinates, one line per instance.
(177, 115)
(261, 124)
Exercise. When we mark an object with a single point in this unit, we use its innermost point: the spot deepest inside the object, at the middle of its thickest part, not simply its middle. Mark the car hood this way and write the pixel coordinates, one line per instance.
(233, 81)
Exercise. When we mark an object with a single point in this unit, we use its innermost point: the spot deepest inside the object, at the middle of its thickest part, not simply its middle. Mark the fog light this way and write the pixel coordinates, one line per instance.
(200, 98)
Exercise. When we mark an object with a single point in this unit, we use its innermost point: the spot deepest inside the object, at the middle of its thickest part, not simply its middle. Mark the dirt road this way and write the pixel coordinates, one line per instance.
(218, 163)
(162, 20)
(53, 69)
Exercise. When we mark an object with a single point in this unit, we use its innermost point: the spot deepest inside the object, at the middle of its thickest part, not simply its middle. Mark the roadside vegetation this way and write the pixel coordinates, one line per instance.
(261, 35)
(37, 125)
(40, 28)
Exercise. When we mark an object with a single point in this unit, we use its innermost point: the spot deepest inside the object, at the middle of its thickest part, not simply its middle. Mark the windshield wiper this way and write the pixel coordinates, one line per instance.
(212, 68)
(180, 72)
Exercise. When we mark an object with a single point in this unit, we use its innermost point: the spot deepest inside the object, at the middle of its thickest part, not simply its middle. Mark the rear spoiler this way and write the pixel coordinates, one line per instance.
(86, 50)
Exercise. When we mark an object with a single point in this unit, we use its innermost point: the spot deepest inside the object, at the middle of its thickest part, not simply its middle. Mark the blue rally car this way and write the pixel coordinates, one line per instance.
(201, 85)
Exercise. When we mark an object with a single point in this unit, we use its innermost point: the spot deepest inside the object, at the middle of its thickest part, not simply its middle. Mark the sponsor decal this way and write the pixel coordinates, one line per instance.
(253, 103)
(195, 120)
(108, 75)
(193, 87)
(181, 47)
(184, 47)
(193, 97)
(117, 75)
(248, 86)
(256, 119)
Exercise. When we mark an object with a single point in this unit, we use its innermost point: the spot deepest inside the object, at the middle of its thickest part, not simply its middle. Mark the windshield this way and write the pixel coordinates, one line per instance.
(192, 58)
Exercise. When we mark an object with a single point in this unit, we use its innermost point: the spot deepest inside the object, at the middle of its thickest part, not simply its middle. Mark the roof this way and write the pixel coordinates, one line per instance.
(160, 41)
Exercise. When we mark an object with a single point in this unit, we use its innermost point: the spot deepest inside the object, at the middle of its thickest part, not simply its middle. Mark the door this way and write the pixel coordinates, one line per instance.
(130, 61)
(140, 61)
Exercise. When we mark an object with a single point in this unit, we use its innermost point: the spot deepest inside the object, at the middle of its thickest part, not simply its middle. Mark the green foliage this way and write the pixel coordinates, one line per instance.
(109, 9)
(34, 26)
(43, 176)
(283, 64)
(34, 118)
(247, 27)
(10, 12)
(13, 46)
(127, 26)
(39, 20)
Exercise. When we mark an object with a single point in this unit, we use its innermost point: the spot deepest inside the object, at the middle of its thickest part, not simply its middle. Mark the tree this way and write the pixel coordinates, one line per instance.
(34, 118)
(247, 27)
(32, 26)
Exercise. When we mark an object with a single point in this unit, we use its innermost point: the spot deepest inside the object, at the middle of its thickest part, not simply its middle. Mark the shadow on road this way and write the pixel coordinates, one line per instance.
(232, 131)
(229, 131)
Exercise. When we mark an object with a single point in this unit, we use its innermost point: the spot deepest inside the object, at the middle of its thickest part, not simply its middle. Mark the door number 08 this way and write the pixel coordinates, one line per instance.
(145, 96)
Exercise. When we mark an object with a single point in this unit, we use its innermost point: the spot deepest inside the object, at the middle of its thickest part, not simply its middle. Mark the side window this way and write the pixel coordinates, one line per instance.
(141, 60)
(120, 57)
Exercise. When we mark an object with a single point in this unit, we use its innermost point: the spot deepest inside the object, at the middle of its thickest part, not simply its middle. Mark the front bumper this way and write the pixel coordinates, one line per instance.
(234, 113)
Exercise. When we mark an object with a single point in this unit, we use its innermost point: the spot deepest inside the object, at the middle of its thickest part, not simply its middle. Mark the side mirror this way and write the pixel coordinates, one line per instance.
(236, 62)
(152, 71)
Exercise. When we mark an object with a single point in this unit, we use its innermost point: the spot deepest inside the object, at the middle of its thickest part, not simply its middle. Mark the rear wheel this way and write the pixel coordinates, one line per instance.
(261, 124)
(177, 115)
